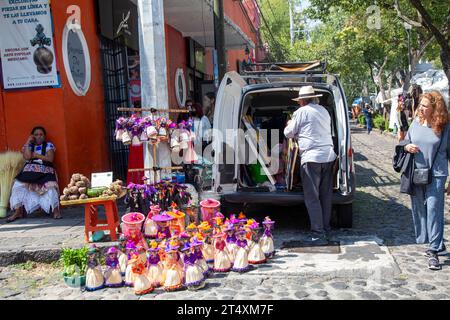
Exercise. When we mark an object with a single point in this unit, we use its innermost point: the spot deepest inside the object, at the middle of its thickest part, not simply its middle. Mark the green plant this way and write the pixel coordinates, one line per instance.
(26, 266)
(378, 122)
(74, 261)
(362, 119)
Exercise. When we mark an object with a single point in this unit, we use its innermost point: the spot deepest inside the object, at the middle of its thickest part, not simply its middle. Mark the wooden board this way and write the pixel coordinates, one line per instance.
(290, 162)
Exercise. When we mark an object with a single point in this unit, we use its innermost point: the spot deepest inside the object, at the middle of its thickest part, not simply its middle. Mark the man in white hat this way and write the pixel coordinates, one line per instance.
(311, 126)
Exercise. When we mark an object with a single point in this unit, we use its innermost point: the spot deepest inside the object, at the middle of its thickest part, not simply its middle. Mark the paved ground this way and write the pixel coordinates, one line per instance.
(378, 258)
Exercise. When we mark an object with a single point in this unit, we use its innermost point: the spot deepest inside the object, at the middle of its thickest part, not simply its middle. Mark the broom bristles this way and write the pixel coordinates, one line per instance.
(10, 165)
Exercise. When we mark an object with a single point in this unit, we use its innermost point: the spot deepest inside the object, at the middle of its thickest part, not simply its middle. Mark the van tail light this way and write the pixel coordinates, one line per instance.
(350, 158)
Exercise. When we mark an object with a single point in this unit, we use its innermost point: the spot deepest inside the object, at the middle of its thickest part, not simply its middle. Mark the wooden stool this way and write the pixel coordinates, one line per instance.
(92, 223)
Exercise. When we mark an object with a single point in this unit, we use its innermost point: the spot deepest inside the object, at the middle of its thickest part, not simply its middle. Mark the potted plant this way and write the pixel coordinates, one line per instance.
(74, 262)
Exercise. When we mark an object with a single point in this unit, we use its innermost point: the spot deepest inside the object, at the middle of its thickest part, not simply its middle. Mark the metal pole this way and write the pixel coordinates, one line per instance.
(219, 37)
(291, 22)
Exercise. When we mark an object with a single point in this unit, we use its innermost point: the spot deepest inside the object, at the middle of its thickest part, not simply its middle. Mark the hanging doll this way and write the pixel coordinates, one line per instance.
(255, 254)
(266, 241)
(241, 261)
(162, 132)
(136, 130)
(199, 259)
(173, 276)
(94, 274)
(152, 132)
(123, 257)
(142, 284)
(222, 262)
(150, 226)
(113, 277)
(120, 128)
(129, 278)
(194, 278)
(184, 135)
(154, 265)
(174, 137)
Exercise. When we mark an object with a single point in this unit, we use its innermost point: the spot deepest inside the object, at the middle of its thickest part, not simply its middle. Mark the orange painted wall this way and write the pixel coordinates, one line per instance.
(74, 124)
(176, 52)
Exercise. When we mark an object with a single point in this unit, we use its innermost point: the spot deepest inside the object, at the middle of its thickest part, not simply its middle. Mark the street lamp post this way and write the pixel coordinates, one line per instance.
(408, 28)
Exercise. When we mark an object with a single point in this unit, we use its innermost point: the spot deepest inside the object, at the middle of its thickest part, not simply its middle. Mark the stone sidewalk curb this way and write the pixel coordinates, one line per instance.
(41, 255)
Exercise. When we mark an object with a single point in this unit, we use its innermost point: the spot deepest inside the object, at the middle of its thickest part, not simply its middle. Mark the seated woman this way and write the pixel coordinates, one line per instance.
(36, 185)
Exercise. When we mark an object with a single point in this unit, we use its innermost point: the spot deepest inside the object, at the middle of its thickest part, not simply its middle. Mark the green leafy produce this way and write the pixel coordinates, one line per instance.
(74, 261)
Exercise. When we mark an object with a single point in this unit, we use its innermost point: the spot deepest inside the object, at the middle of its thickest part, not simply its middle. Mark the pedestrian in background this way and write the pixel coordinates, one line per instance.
(428, 139)
(311, 126)
(209, 101)
(402, 119)
(368, 112)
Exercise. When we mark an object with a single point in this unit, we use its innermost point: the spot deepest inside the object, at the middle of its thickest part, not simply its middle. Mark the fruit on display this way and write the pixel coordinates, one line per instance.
(114, 189)
(95, 192)
(77, 188)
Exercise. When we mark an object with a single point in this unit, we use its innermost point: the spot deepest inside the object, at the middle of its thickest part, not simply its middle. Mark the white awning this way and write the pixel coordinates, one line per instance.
(195, 19)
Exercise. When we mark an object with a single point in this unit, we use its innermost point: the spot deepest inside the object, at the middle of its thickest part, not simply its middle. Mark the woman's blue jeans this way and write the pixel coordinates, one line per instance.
(428, 213)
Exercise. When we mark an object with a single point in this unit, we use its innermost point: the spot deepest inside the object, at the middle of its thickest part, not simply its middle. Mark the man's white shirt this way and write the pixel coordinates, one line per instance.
(311, 126)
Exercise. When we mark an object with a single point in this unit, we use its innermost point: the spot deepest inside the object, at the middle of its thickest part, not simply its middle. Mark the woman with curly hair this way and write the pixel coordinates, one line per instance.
(428, 139)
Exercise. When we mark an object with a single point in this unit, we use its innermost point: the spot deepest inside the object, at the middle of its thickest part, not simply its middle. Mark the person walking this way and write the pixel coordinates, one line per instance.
(311, 126)
(428, 139)
(368, 112)
(402, 119)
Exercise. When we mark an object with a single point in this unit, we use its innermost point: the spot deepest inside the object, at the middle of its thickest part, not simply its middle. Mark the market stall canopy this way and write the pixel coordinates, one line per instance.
(195, 19)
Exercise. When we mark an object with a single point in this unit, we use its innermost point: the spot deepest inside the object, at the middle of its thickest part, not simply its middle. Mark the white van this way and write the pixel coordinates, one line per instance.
(262, 100)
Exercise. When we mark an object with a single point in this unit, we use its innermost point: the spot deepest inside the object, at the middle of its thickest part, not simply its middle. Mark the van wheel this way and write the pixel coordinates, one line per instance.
(344, 213)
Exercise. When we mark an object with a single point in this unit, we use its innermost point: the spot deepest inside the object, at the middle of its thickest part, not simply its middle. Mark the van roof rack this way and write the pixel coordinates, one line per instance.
(316, 66)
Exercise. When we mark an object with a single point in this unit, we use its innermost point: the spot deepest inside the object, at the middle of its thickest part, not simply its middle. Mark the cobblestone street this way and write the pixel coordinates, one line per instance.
(380, 212)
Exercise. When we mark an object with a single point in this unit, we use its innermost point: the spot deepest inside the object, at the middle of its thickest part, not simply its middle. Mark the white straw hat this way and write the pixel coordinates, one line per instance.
(306, 92)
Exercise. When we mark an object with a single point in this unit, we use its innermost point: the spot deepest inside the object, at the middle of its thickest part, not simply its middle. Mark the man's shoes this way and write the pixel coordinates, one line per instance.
(442, 252)
(433, 262)
(318, 239)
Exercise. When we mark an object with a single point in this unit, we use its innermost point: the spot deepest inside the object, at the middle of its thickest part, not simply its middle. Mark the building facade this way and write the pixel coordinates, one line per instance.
(81, 124)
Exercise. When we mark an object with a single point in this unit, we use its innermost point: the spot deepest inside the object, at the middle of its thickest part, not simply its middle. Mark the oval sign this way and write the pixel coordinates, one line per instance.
(77, 62)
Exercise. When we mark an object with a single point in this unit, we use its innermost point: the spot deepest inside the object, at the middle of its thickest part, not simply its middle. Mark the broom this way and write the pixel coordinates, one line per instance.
(10, 165)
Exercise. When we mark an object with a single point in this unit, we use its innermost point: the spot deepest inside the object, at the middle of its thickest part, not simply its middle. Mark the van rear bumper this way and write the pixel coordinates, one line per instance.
(280, 198)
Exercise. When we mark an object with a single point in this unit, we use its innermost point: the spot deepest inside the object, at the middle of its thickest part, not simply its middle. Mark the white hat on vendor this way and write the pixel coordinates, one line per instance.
(306, 92)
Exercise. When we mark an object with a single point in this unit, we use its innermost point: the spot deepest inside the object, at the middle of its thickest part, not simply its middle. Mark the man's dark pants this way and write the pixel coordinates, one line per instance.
(317, 181)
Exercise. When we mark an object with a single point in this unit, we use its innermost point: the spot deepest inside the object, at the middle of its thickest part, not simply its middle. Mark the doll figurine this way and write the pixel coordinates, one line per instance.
(152, 133)
(222, 262)
(230, 241)
(241, 261)
(129, 278)
(163, 220)
(150, 226)
(174, 138)
(208, 249)
(255, 254)
(194, 278)
(142, 284)
(113, 277)
(123, 257)
(154, 265)
(199, 259)
(266, 241)
(94, 274)
(173, 276)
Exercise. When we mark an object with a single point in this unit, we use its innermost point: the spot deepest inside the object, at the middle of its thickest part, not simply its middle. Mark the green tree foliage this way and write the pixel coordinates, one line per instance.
(366, 57)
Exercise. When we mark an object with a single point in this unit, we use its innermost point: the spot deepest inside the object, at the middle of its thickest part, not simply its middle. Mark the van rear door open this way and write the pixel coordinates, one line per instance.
(226, 123)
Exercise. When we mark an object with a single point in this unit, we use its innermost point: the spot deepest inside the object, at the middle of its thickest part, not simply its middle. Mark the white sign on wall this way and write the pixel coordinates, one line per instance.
(77, 61)
(26, 44)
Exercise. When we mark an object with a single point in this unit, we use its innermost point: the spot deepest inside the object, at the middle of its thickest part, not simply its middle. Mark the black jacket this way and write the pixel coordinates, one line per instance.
(406, 185)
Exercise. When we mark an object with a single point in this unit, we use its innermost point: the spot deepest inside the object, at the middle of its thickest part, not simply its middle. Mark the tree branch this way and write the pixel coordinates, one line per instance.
(405, 18)
(428, 23)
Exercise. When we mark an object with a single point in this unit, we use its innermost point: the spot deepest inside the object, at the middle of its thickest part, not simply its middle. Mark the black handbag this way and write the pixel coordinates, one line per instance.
(422, 177)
